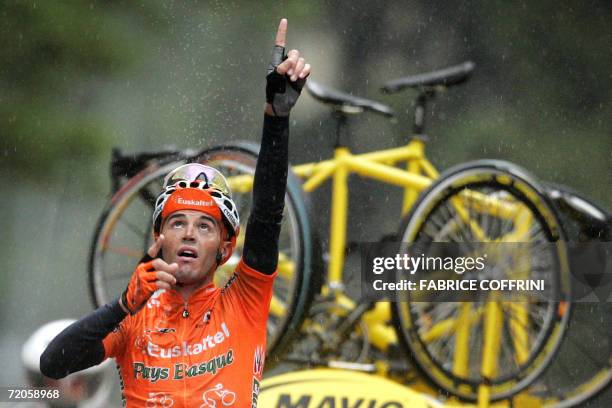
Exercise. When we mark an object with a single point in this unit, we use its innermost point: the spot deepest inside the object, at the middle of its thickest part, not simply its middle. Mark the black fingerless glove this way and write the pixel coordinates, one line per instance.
(280, 96)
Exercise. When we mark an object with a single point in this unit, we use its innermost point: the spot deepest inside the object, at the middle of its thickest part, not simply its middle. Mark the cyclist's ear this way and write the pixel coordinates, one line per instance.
(225, 248)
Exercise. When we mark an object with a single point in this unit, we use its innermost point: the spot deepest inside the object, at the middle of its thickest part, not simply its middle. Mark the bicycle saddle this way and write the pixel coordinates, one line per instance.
(446, 77)
(345, 102)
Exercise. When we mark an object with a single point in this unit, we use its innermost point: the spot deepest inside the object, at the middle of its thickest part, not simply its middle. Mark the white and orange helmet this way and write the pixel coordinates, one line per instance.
(202, 188)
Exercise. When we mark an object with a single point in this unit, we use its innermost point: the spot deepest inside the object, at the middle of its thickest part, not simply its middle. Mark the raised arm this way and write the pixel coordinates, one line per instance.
(285, 79)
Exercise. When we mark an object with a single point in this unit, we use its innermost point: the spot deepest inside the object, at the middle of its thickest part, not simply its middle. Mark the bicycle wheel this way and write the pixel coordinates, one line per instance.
(124, 233)
(583, 366)
(450, 342)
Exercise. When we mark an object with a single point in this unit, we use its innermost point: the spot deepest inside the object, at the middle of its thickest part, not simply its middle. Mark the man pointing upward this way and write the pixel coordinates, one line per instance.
(178, 340)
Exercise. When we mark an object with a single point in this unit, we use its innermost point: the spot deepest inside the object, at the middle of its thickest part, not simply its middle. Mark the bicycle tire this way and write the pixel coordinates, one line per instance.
(586, 350)
(501, 181)
(133, 199)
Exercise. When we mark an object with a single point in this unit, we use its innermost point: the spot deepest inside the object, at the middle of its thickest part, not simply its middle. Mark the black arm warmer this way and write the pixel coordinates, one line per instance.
(80, 345)
(263, 228)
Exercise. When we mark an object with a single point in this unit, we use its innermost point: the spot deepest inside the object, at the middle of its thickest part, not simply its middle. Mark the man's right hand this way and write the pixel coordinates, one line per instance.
(147, 278)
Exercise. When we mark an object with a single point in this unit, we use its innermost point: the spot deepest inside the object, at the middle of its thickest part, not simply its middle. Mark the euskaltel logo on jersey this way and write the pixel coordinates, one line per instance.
(185, 348)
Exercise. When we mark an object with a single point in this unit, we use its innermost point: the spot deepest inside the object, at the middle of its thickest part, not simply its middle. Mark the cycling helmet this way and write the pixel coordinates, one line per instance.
(91, 387)
(198, 187)
(196, 171)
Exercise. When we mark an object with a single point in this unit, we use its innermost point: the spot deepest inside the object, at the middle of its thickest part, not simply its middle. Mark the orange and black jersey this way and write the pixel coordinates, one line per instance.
(213, 345)
(192, 353)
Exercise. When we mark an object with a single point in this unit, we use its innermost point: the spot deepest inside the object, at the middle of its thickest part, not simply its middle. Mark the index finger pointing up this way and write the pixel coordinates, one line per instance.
(153, 251)
(281, 33)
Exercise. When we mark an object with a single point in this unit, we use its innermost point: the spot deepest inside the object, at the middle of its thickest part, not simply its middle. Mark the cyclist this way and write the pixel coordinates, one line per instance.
(176, 336)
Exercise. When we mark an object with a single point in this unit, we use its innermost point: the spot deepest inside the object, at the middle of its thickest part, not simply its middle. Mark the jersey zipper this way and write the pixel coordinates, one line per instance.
(183, 338)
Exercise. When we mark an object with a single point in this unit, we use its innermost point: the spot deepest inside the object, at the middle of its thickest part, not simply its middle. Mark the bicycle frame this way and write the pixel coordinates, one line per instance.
(377, 165)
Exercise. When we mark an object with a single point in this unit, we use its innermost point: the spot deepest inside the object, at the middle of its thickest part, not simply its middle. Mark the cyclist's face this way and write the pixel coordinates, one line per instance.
(192, 240)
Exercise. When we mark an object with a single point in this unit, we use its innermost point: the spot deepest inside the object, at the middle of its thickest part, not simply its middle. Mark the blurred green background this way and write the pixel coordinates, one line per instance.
(78, 77)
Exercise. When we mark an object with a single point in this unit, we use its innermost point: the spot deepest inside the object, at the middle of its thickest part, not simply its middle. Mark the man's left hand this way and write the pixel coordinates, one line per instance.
(286, 76)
